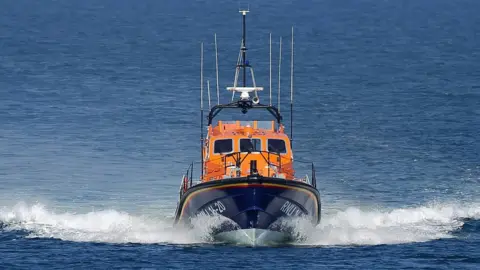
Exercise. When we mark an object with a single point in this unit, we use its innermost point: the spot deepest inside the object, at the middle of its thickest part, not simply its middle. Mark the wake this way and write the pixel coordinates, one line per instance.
(108, 226)
(350, 226)
(353, 226)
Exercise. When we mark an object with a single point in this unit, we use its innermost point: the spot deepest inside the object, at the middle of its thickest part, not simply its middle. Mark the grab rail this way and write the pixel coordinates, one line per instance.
(187, 178)
(238, 159)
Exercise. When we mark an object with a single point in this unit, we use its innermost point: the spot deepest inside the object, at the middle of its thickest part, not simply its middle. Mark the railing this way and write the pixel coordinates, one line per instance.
(238, 160)
(280, 166)
(312, 181)
(256, 124)
(187, 178)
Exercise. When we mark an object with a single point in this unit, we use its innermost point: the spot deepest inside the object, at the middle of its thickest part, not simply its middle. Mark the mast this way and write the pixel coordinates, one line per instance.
(208, 90)
(244, 48)
(216, 69)
(291, 96)
(242, 63)
(201, 106)
(279, 73)
(270, 69)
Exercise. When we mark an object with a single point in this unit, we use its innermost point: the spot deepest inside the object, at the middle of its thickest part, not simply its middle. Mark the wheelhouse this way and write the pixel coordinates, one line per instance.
(231, 146)
(246, 137)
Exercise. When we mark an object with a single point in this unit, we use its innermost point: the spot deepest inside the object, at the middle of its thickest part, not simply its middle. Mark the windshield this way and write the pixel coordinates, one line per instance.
(277, 146)
(223, 146)
(250, 145)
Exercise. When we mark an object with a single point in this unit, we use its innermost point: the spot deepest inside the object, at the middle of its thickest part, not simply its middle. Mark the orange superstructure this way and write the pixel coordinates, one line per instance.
(232, 147)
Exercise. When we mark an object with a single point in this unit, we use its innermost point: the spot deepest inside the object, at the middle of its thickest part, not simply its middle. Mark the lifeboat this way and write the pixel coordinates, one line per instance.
(246, 176)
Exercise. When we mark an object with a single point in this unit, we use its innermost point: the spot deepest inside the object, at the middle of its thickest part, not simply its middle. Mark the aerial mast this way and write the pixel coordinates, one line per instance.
(216, 69)
(201, 106)
(279, 73)
(291, 94)
(244, 47)
(270, 69)
(242, 63)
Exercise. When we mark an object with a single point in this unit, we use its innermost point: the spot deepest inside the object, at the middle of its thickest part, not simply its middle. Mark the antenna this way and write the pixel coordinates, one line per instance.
(270, 69)
(291, 95)
(201, 104)
(201, 76)
(208, 89)
(279, 67)
(216, 67)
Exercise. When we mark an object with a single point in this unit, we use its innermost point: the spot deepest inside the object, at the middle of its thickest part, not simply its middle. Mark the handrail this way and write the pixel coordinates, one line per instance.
(314, 177)
(186, 181)
(244, 105)
(239, 161)
(187, 178)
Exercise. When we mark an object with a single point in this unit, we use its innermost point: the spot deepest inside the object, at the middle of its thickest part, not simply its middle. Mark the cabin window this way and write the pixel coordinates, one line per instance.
(250, 145)
(277, 146)
(223, 146)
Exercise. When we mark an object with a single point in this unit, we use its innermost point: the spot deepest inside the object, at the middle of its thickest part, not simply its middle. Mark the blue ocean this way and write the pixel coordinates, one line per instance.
(100, 117)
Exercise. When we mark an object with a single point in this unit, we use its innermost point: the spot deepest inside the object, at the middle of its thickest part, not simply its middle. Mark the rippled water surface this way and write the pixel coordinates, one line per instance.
(99, 118)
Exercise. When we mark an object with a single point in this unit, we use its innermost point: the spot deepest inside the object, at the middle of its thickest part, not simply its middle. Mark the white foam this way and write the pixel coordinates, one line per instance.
(204, 225)
(99, 226)
(351, 226)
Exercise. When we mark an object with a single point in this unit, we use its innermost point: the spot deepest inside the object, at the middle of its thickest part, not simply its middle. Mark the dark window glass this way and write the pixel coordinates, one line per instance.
(277, 146)
(250, 145)
(223, 146)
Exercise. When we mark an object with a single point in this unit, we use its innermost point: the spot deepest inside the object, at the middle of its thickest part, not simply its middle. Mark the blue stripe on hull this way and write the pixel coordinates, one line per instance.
(252, 206)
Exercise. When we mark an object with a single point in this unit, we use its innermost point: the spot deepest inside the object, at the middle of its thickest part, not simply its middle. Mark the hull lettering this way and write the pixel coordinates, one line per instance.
(214, 208)
(290, 209)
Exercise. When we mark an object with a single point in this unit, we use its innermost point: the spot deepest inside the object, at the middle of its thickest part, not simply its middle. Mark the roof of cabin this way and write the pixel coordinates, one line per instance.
(254, 128)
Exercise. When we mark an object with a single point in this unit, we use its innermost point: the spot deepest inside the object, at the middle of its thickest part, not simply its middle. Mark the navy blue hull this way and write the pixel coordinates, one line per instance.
(251, 203)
